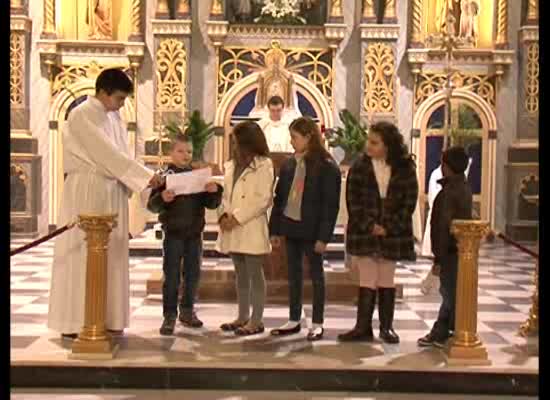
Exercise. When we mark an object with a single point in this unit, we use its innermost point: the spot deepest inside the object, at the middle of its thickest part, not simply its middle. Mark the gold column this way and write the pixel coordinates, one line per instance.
(217, 8)
(48, 28)
(336, 9)
(502, 24)
(390, 12)
(465, 347)
(368, 11)
(93, 341)
(533, 12)
(183, 7)
(136, 20)
(162, 7)
(416, 33)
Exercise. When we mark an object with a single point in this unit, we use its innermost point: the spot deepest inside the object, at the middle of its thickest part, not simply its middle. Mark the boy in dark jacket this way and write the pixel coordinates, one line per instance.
(182, 219)
(453, 202)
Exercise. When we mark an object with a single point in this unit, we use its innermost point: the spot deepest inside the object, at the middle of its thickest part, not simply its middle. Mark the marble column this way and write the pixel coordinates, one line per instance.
(25, 163)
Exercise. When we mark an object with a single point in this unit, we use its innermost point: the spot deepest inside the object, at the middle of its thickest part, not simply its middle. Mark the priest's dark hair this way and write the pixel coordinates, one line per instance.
(113, 79)
(398, 155)
(275, 101)
(316, 152)
(248, 141)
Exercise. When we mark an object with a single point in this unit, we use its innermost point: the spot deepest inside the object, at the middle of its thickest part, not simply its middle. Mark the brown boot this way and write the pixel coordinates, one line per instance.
(363, 327)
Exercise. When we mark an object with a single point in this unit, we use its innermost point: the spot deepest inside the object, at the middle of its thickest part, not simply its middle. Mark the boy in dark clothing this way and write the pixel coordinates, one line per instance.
(453, 202)
(182, 219)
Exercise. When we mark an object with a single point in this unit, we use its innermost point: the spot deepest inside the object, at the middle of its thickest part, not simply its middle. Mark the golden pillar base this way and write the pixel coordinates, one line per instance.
(94, 342)
(531, 326)
(459, 355)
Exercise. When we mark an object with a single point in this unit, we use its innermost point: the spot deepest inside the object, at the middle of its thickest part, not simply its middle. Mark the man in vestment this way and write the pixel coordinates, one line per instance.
(100, 178)
(275, 127)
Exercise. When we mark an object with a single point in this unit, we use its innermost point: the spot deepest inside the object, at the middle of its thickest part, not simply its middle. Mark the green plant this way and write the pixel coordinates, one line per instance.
(197, 129)
(351, 137)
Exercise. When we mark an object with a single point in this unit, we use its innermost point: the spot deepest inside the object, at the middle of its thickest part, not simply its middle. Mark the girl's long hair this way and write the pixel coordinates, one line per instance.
(251, 142)
(316, 152)
(398, 155)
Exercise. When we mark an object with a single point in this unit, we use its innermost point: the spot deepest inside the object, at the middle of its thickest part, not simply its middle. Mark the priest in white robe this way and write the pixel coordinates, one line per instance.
(275, 127)
(100, 177)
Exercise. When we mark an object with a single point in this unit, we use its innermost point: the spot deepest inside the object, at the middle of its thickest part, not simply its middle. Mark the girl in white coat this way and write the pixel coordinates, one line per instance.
(243, 219)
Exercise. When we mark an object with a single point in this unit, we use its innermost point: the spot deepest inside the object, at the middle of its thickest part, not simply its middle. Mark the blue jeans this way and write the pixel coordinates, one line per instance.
(448, 279)
(296, 249)
(174, 249)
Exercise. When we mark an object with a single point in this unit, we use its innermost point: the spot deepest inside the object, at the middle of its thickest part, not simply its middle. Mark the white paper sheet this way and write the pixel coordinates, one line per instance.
(189, 182)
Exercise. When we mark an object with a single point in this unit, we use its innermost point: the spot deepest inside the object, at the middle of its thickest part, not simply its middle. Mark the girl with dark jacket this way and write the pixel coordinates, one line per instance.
(306, 204)
(381, 196)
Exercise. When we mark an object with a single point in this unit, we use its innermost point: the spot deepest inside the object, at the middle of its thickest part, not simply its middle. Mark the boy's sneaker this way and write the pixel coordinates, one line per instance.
(168, 326)
(431, 340)
(189, 318)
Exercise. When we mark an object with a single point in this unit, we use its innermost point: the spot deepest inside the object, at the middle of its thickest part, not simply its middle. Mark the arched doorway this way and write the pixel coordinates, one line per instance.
(240, 99)
(65, 101)
(473, 125)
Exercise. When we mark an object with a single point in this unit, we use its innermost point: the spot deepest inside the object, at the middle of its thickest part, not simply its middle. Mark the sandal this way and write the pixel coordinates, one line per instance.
(232, 326)
(248, 330)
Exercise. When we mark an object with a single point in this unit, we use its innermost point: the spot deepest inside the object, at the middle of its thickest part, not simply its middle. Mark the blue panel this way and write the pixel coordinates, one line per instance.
(437, 119)
(75, 103)
(434, 144)
(305, 107)
(245, 105)
(475, 151)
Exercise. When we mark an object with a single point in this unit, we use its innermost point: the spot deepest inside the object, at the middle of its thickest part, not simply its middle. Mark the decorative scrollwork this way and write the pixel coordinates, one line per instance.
(71, 74)
(17, 47)
(482, 85)
(379, 71)
(313, 64)
(532, 79)
(171, 75)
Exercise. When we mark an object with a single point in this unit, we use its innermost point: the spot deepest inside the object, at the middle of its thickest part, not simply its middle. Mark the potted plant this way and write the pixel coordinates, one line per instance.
(197, 129)
(351, 137)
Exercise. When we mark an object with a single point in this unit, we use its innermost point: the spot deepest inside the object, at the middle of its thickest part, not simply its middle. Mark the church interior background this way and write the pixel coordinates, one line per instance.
(379, 59)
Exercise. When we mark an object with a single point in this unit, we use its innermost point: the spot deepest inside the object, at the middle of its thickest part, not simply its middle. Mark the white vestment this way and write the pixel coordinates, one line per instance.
(433, 189)
(277, 134)
(101, 176)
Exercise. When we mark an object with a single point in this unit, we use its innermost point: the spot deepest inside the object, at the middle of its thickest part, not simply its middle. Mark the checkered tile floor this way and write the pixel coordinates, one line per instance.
(505, 289)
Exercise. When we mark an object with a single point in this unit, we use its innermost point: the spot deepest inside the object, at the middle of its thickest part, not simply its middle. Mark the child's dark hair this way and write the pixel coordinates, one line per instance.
(316, 152)
(251, 142)
(113, 79)
(398, 155)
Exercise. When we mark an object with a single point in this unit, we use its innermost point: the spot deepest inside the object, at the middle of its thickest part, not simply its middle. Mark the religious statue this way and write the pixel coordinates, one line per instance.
(469, 24)
(99, 18)
(444, 10)
(275, 81)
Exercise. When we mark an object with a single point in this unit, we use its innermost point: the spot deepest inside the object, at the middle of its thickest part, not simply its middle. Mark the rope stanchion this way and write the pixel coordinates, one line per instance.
(43, 239)
(518, 246)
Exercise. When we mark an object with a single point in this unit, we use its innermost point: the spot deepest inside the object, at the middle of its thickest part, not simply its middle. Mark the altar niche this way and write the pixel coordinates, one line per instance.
(310, 12)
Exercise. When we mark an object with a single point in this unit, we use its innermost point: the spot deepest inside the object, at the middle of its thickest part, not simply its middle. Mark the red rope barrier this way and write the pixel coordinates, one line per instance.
(42, 239)
(518, 246)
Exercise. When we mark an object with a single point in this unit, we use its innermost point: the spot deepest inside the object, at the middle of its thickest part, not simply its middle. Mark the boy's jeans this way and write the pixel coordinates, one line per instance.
(448, 278)
(174, 248)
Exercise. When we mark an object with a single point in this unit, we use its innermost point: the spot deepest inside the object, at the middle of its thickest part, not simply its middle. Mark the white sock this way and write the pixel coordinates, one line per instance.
(290, 325)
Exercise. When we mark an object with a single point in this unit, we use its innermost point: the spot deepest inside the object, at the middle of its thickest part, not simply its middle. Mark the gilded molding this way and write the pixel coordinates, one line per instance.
(368, 10)
(216, 8)
(17, 69)
(336, 9)
(531, 85)
(171, 72)
(48, 28)
(273, 31)
(416, 32)
(379, 31)
(533, 11)
(20, 23)
(136, 18)
(529, 34)
(172, 27)
(390, 12)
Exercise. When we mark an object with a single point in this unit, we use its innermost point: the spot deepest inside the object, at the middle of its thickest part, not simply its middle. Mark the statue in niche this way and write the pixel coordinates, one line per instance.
(99, 18)
(469, 24)
(444, 10)
(276, 81)
(18, 189)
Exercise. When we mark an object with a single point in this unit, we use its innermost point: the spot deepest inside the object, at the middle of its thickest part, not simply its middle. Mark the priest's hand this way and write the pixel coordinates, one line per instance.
(211, 187)
(156, 181)
(168, 196)
(276, 241)
(320, 247)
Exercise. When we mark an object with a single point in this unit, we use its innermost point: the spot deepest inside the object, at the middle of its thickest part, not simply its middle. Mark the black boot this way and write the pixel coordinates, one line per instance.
(363, 326)
(386, 307)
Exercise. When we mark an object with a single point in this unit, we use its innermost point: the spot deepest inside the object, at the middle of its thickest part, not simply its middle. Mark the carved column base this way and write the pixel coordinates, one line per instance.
(93, 350)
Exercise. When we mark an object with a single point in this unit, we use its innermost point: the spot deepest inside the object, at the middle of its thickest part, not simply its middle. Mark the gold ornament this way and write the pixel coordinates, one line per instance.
(336, 9)
(533, 11)
(368, 10)
(17, 47)
(48, 28)
(390, 12)
(136, 17)
(171, 76)
(217, 8)
(416, 36)
(532, 79)
(502, 23)
(379, 70)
